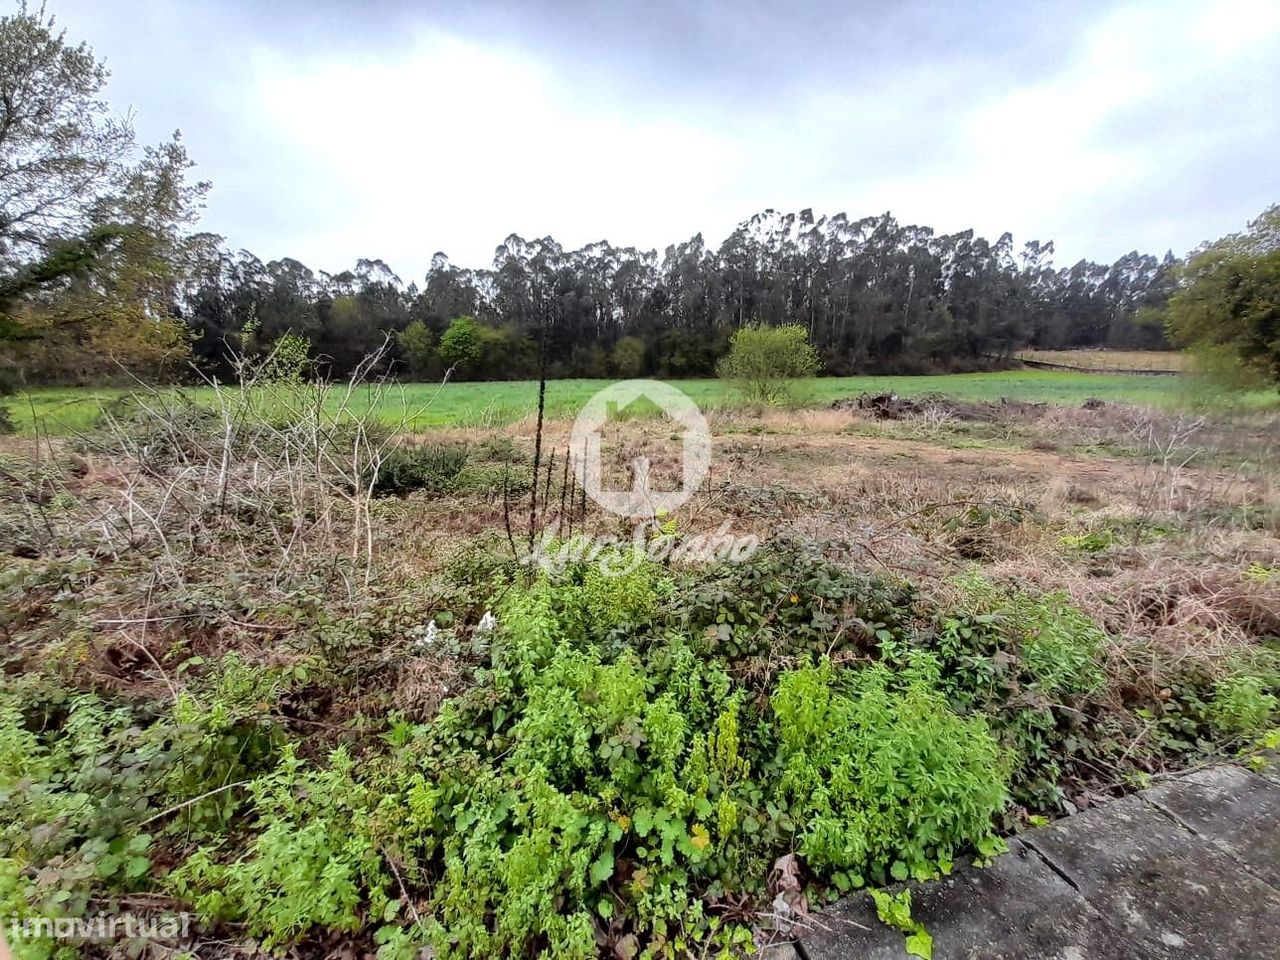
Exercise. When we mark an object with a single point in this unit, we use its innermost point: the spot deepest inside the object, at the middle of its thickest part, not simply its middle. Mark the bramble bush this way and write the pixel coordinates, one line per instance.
(430, 467)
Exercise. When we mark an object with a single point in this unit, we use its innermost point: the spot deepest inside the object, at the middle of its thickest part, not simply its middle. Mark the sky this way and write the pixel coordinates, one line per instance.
(333, 131)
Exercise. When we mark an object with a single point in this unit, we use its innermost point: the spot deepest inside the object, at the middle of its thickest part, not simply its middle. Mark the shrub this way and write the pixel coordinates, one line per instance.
(882, 777)
(1242, 706)
(1058, 647)
(1015, 657)
(491, 479)
(430, 467)
(789, 600)
(762, 359)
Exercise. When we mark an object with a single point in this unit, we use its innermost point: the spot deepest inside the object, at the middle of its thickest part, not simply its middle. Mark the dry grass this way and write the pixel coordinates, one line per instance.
(1120, 360)
(1177, 524)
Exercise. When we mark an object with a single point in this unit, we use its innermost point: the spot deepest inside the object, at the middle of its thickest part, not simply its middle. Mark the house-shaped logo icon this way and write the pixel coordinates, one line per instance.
(640, 501)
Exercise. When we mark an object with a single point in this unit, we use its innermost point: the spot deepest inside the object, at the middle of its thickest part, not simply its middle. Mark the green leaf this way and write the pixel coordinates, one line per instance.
(899, 870)
(920, 943)
(136, 867)
(643, 821)
(107, 865)
(602, 868)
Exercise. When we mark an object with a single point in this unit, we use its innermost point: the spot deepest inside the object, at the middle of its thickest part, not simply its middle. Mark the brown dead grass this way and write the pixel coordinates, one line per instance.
(898, 502)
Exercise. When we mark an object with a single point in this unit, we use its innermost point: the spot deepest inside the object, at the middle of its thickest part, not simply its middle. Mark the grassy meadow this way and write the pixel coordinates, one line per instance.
(63, 410)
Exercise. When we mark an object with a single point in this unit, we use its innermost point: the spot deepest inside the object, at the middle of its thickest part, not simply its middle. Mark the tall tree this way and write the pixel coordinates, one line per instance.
(61, 148)
(1227, 306)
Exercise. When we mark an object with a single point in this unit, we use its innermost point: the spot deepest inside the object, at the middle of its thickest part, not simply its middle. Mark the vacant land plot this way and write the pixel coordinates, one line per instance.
(295, 677)
(65, 410)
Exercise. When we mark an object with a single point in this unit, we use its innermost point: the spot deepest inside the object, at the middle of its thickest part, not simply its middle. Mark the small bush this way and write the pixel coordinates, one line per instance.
(1058, 646)
(491, 479)
(762, 359)
(496, 450)
(430, 467)
(789, 600)
(870, 759)
(1242, 706)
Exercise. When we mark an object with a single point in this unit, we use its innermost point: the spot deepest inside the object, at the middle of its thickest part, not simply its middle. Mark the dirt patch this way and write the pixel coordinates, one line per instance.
(890, 406)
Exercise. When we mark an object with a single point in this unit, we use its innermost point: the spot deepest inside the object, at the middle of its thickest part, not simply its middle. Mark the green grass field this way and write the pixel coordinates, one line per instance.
(63, 410)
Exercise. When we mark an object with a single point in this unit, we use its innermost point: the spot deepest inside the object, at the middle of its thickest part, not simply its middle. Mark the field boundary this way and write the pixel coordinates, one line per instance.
(1125, 371)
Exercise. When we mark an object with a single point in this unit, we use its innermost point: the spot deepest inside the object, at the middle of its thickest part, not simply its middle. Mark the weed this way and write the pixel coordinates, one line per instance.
(1242, 706)
(869, 757)
(894, 910)
(1093, 541)
(430, 467)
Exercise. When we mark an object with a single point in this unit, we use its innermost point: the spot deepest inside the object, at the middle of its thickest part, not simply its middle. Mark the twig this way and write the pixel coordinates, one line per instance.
(417, 919)
(194, 800)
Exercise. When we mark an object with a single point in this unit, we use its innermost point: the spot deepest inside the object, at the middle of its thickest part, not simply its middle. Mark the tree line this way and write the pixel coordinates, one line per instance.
(872, 294)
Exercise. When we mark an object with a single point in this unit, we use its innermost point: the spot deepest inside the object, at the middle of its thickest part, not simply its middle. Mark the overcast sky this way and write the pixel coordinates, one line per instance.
(338, 130)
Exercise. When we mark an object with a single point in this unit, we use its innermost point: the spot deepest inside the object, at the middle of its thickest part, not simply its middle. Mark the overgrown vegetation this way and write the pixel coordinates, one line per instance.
(1226, 308)
(271, 660)
(637, 763)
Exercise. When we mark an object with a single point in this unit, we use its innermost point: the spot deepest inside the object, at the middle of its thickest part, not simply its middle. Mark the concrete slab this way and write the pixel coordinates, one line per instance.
(1236, 810)
(1164, 890)
(1183, 870)
(1016, 909)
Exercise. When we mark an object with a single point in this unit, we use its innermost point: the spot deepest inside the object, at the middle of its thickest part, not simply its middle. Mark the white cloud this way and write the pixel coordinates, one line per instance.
(1146, 125)
(456, 145)
(1046, 160)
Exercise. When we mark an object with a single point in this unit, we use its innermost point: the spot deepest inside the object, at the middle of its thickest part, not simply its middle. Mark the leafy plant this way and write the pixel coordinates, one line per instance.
(1242, 706)
(894, 910)
(762, 359)
(789, 600)
(884, 779)
(312, 862)
(430, 467)
(1092, 541)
